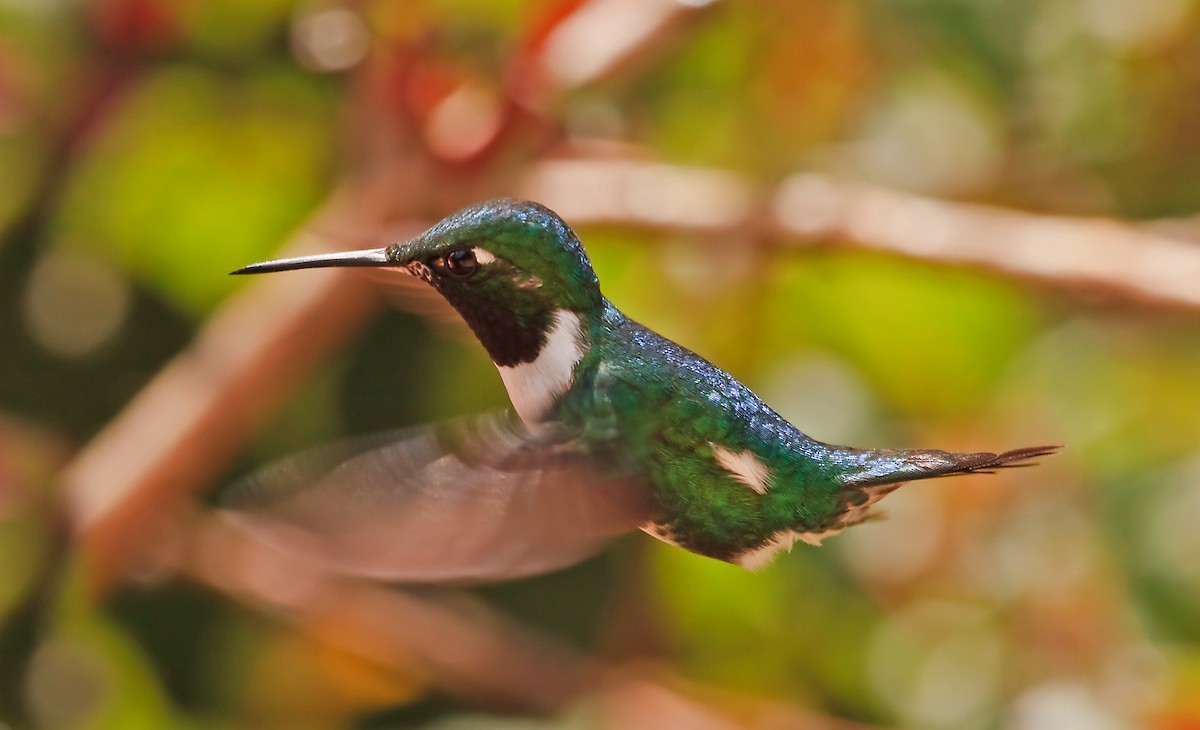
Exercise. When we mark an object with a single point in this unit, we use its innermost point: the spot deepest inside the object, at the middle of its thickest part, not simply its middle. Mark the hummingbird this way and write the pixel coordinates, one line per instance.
(613, 428)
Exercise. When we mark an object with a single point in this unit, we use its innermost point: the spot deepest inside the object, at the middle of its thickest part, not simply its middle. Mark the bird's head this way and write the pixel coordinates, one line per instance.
(513, 269)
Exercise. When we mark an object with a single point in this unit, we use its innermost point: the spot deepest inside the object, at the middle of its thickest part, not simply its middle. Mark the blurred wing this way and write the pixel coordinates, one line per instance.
(466, 500)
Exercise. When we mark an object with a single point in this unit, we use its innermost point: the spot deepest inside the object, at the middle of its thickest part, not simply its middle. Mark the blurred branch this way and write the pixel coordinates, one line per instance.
(1123, 260)
(1117, 257)
(640, 193)
(128, 482)
(465, 648)
(601, 36)
(460, 645)
(1186, 228)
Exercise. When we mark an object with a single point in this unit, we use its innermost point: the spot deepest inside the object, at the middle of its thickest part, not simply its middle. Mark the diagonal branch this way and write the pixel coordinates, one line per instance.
(180, 430)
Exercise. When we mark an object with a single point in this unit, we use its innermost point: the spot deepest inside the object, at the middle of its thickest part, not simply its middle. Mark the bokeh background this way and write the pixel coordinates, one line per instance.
(959, 223)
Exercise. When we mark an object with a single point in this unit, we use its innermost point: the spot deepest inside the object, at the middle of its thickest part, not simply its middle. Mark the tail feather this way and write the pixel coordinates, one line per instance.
(874, 474)
(889, 467)
(987, 463)
(878, 473)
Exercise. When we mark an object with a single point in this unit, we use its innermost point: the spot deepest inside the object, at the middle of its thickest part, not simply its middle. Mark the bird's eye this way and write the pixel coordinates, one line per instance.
(461, 262)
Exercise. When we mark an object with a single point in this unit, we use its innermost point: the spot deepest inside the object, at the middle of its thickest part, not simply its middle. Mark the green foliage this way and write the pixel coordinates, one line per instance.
(930, 341)
(237, 30)
(22, 159)
(775, 626)
(197, 172)
(89, 674)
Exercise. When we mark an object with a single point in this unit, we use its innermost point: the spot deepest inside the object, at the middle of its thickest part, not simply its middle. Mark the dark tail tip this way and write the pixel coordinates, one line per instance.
(1016, 458)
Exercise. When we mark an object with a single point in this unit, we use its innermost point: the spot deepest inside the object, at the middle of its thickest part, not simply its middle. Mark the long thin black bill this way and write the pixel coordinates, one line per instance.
(365, 257)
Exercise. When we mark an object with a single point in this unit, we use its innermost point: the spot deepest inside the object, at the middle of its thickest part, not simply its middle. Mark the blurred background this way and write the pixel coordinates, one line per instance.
(968, 224)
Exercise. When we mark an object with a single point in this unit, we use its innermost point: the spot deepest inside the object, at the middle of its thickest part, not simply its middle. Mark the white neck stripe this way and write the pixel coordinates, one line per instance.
(534, 386)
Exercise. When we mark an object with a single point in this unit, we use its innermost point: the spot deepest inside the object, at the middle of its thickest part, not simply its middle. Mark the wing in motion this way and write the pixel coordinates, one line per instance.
(473, 499)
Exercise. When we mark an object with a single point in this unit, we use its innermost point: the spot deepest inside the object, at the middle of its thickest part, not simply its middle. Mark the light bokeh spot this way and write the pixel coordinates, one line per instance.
(74, 303)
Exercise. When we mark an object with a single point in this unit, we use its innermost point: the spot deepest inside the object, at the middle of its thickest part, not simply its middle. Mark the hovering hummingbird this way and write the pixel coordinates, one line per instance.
(614, 428)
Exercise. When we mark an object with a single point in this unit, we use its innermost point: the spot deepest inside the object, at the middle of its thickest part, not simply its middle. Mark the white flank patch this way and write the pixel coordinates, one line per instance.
(759, 557)
(815, 538)
(534, 386)
(744, 466)
(483, 256)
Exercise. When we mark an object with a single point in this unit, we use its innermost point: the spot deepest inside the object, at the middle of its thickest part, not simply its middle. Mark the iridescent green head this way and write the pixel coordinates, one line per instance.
(508, 266)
